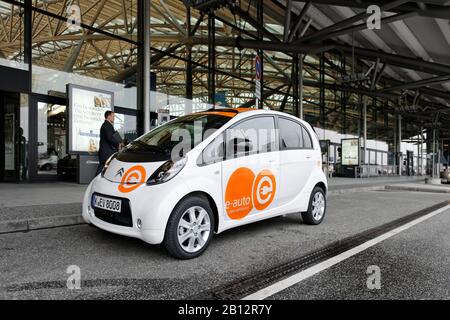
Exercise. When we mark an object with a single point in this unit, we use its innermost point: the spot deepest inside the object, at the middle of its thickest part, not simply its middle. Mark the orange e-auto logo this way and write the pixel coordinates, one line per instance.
(264, 189)
(245, 191)
(132, 179)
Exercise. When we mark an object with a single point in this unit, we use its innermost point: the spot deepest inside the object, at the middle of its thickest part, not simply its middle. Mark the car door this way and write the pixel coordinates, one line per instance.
(296, 159)
(250, 170)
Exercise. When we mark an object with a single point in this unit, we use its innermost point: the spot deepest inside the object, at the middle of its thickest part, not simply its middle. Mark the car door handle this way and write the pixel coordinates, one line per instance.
(308, 156)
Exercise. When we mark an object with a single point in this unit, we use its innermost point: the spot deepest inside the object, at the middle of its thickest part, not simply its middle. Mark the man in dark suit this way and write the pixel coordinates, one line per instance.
(108, 144)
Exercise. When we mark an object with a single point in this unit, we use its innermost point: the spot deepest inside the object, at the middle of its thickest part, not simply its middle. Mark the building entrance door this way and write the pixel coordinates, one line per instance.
(48, 137)
(10, 136)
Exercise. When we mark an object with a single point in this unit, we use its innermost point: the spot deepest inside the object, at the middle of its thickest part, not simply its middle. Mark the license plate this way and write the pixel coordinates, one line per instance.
(109, 204)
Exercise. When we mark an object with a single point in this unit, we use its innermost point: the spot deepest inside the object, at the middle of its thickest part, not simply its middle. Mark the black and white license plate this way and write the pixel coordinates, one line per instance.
(106, 203)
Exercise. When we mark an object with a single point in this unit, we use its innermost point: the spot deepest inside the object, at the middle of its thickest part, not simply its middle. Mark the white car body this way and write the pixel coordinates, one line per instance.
(295, 173)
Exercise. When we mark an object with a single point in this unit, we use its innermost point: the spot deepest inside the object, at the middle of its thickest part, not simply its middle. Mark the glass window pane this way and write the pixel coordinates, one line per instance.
(252, 136)
(307, 143)
(213, 152)
(291, 134)
(126, 126)
(51, 137)
(23, 131)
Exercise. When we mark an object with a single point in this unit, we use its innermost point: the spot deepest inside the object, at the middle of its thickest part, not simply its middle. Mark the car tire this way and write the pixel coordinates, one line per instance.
(47, 167)
(188, 236)
(316, 208)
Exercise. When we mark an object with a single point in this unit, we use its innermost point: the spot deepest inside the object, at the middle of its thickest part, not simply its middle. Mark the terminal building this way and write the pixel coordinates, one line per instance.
(372, 77)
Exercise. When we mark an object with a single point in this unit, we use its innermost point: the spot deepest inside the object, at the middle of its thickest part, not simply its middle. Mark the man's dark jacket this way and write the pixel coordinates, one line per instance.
(108, 144)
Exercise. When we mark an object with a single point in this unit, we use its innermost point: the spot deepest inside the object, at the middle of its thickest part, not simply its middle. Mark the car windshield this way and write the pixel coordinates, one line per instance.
(187, 131)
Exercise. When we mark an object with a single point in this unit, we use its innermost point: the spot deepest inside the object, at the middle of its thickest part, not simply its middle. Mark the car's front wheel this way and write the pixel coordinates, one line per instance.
(190, 228)
(317, 207)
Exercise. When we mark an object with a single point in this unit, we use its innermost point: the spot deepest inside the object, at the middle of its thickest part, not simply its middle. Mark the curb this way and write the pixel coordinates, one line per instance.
(417, 189)
(40, 223)
(353, 190)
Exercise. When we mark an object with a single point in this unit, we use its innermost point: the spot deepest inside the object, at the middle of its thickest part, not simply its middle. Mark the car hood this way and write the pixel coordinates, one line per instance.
(130, 172)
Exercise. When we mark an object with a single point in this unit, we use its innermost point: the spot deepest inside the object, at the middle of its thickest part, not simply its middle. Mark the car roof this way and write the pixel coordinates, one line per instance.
(243, 112)
(227, 112)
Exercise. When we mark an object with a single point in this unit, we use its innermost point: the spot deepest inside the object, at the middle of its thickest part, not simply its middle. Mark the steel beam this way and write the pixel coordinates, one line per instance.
(361, 27)
(398, 60)
(418, 84)
(433, 10)
(279, 46)
(299, 21)
(287, 20)
(348, 22)
(246, 16)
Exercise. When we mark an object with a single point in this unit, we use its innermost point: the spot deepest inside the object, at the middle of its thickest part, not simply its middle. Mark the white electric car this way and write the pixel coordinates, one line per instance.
(207, 172)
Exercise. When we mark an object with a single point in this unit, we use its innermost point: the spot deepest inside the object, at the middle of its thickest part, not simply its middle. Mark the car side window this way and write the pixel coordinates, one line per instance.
(307, 142)
(293, 135)
(213, 152)
(252, 136)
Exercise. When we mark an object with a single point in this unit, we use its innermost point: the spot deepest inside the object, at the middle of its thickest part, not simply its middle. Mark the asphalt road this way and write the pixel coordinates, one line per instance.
(34, 265)
(414, 264)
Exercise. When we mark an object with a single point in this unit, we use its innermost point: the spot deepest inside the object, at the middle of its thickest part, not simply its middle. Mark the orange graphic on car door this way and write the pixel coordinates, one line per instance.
(245, 191)
(238, 195)
(264, 189)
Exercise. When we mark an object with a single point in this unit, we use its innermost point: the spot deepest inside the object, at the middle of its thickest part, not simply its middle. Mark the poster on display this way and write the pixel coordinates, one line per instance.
(87, 107)
(350, 152)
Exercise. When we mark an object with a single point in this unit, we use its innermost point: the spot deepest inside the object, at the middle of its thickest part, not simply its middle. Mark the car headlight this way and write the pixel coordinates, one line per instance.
(167, 171)
(107, 163)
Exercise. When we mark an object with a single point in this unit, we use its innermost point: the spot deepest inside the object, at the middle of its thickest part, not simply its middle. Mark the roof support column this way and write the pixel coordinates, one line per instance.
(421, 150)
(189, 80)
(143, 67)
(260, 21)
(322, 90)
(27, 45)
(300, 86)
(400, 158)
(211, 59)
(146, 64)
(365, 133)
(295, 84)
(418, 153)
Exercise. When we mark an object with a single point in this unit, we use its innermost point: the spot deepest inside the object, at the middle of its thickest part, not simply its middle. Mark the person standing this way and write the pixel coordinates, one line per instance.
(108, 144)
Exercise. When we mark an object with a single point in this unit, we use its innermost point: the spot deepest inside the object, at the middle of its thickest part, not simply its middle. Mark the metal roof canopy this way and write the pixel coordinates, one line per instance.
(411, 45)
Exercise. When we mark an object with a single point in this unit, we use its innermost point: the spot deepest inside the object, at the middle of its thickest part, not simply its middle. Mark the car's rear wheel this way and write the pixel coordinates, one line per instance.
(190, 228)
(317, 207)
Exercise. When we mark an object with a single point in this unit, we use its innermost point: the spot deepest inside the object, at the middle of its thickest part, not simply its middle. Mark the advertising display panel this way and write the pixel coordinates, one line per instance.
(350, 152)
(87, 107)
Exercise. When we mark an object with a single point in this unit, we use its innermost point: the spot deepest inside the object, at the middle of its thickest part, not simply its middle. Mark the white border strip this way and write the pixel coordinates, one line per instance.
(302, 275)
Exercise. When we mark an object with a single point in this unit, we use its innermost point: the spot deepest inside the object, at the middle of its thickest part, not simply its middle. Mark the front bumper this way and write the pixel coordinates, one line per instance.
(151, 204)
